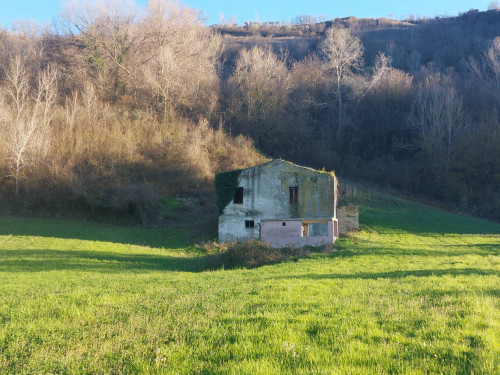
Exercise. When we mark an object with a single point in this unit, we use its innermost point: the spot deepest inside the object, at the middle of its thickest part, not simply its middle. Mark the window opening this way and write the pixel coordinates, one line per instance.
(315, 229)
(238, 195)
(294, 195)
(284, 224)
(305, 230)
(249, 224)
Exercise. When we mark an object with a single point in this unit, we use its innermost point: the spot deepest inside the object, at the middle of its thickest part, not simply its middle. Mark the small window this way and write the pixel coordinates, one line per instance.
(249, 224)
(238, 195)
(284, 224)
(294, 195)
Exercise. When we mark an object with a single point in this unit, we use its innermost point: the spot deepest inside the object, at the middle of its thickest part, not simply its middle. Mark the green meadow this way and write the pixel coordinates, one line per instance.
(416, 291)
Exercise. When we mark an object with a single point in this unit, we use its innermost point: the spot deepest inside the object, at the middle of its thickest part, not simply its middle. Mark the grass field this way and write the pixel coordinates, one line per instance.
(416, 291)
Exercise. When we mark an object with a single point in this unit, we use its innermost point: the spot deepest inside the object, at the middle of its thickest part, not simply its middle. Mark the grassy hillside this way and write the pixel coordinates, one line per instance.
(416, 291)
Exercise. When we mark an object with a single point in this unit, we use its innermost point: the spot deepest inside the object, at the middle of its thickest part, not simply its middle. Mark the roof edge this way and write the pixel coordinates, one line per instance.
(279, 161)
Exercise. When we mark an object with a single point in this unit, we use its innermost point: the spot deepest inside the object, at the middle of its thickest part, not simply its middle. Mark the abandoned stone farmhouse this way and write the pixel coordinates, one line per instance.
(278, 202)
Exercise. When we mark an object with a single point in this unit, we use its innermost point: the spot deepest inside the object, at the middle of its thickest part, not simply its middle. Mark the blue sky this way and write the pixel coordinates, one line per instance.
(264, 10)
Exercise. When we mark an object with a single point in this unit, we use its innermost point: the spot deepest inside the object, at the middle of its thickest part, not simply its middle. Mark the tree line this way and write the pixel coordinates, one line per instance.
(121, 104)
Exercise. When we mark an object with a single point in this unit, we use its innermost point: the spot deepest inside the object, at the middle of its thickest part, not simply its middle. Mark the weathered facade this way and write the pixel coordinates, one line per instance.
(282, 204)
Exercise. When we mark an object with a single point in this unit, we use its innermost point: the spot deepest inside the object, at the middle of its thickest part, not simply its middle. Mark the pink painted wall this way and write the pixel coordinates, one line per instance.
(276, 235)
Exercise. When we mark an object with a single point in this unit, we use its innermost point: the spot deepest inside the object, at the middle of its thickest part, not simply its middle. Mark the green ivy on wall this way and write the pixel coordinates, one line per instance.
(225, 187)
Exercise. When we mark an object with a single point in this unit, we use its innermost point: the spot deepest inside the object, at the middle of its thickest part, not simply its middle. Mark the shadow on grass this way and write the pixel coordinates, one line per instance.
(237, 255)
(89, 231)
(437, 251)
(95, 261)
(422, 220)
(43, 260)
(402, 274)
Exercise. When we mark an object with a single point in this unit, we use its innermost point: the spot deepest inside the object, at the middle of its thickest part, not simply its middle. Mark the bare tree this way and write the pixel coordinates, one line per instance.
(305, 19)
(108, 30)
(380, 70)
(27, 116)
(343, 59)
(107, 26)
(91, 104)
(439, 117)
(487, 70)
(165, 51)
(183, 70)
(72, 106)
(343, 54)
(261, 82)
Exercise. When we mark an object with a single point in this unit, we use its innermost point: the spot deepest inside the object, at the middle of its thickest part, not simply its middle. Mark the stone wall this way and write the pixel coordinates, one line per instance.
(348, 217)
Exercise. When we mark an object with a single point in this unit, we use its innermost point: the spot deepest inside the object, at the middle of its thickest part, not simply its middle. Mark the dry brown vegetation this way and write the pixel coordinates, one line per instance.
(127, 104)
(106, 120)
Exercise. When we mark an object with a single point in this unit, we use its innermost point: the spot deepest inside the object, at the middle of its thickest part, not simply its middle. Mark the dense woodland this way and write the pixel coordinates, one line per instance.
(114, 106)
